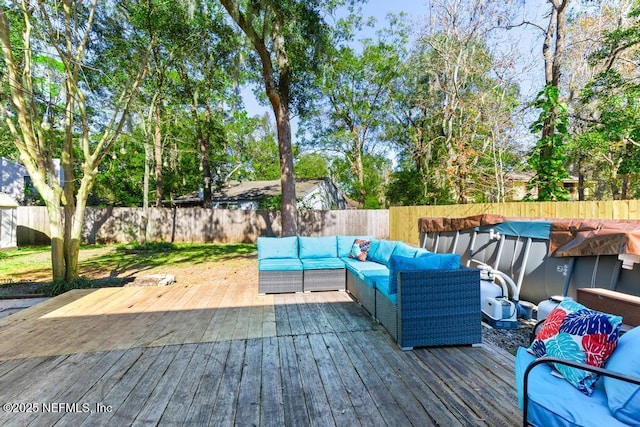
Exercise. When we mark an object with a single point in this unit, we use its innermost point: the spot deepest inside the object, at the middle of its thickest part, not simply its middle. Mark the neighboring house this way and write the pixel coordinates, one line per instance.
(517, 182)
(16, 182)
(13, 178)
(8, 222)
(316, 194)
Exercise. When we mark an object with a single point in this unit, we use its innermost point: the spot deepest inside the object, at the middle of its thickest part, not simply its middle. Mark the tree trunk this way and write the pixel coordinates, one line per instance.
(552, 60)
(289, 209)
(157, 152)
(581, 180)
(277, 85)
(204, 144)
(624, 188)
(56, 230)
(359, 165)
(148, 159)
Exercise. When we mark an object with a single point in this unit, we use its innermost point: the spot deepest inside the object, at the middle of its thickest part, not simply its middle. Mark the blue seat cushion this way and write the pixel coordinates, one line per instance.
(280, 264)
(322, 263)
(382, 284)
(553, 401)
(346, 242)
(277, 247)
(429, 261)
(359, 267)
(624, 398)
(318, 247)
(370, 276)
(382, 251)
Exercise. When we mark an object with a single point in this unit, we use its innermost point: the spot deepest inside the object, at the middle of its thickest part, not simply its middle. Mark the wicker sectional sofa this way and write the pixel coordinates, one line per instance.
(421, 298)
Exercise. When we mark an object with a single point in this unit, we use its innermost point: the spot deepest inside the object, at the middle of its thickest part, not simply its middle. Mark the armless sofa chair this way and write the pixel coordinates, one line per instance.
(549, 400)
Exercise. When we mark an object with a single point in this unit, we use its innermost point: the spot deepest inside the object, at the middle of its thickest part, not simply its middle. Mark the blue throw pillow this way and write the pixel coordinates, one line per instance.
(345, 244)
(430, 261)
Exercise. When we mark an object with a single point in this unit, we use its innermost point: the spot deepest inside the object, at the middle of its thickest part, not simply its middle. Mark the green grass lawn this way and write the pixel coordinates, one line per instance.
(33, 264)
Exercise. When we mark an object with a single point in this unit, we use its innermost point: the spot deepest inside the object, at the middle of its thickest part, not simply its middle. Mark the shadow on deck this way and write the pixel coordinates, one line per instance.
(221, 355)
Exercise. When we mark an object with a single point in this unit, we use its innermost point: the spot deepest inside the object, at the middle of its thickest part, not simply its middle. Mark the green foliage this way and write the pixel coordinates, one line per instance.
(408, 188)
(271, 203)
(59, 287)
(375, 169)
(353, 104)
(609, 146)
(137, 247)
(452, 118)
(311, 166)
(548, 157)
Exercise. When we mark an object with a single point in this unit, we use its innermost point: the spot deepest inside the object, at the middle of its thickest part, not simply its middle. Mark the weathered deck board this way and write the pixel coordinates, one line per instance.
(272, 404)
(219, 354)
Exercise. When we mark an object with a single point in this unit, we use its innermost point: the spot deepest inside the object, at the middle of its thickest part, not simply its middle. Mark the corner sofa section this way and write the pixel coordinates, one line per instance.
(421, 298)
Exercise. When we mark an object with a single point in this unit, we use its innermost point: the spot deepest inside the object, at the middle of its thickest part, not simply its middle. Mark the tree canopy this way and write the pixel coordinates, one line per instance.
(142, 102)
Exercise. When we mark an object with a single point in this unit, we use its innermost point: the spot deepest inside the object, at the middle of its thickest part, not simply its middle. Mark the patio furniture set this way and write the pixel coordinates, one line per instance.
(421, 298)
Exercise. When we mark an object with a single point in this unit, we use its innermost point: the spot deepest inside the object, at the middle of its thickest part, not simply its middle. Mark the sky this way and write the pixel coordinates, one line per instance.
(376, 8)
(417, 11)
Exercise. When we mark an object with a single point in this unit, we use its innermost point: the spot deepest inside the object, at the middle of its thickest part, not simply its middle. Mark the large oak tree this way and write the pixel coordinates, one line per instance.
(289, 39)
(80, 127)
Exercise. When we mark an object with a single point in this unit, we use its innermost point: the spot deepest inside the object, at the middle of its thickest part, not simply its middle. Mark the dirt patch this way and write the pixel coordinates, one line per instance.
(240, 270)
(508, 339)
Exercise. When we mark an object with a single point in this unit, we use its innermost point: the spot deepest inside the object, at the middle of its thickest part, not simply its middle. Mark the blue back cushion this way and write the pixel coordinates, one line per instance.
(373, 248)
(318, 247)
(381, 253)
(624, 398)
(402, 249)
(429, 261)
(277, 247)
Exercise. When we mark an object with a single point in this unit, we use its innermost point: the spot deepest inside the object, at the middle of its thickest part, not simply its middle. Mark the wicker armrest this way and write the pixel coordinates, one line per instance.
(439, 307)
(546, 359)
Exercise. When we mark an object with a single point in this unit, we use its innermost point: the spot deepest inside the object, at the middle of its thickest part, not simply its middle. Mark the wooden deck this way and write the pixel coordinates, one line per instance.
(221, 355)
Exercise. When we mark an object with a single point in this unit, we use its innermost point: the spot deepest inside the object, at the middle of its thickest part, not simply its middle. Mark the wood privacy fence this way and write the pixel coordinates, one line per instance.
(123, 225)
(403, 221)
(199, 225)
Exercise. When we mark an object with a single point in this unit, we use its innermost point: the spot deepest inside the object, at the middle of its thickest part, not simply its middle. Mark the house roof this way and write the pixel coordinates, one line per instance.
(7, 202)
(252, 190)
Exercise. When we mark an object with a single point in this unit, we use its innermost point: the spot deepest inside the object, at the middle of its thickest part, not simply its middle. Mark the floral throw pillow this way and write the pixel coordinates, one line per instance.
(360, 249)
(577, 333)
